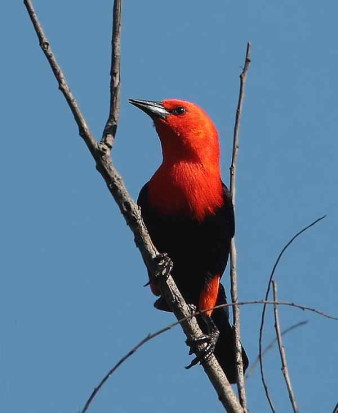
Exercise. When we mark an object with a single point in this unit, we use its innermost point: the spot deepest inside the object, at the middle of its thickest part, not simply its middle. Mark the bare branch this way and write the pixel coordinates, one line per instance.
(264, 307)
(270, 346)
(130, 211)
(287, 303)
(282, 351)
(170, 326)
(335, 409)
(113, 118)
(233, 251)
(235, 147)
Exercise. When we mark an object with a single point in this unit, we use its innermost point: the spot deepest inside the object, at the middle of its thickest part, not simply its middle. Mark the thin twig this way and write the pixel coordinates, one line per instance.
(235, 147)
(335, 409)
(282, 351)
(286, 303)
(131, 213)
(170, 326)
(264, 307)
(115, 77)
(270, 346)
(233, 251)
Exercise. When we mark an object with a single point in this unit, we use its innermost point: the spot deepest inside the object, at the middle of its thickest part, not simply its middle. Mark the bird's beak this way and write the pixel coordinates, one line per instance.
(151, 108)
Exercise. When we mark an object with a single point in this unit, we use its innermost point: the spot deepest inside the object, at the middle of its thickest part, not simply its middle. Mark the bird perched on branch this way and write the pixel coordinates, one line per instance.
(189, 215)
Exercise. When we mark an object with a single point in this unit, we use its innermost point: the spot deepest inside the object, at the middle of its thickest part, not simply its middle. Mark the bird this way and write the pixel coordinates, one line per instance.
(189, 215)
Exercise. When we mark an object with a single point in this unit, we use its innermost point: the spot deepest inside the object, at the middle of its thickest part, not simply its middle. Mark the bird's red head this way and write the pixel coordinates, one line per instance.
(188, 182)
(186, 132)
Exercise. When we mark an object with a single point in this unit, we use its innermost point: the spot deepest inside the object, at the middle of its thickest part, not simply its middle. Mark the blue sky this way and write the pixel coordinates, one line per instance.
(71, 299)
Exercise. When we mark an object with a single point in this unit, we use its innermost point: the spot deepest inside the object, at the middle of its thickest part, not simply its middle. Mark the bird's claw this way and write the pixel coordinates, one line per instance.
(198, 340)
(163, 265)
(206, 351)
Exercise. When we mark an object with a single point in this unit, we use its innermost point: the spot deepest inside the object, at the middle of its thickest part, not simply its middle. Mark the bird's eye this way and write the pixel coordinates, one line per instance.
(179, 110)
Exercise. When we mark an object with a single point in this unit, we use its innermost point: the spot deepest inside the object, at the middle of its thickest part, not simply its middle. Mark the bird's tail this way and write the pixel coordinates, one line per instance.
(225, 350)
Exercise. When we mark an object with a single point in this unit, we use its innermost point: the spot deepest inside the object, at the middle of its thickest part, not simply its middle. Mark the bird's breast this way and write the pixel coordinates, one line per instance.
(185, 189)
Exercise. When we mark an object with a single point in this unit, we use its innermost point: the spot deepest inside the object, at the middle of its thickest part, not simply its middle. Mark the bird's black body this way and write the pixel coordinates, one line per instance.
(199, 251)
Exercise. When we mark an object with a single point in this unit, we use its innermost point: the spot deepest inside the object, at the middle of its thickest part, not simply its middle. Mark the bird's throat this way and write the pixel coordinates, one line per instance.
(188, 189)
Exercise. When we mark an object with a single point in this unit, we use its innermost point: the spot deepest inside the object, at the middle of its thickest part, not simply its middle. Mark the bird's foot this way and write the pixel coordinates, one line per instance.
(206, 351)
(192, 307)
(163, 265)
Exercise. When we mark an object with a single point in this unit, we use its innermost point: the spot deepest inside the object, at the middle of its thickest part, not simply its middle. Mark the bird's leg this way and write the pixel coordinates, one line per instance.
(207, 300)
(210, 339)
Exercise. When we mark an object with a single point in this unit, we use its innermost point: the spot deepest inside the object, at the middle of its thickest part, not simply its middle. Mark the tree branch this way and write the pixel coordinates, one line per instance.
(282, 352)
(130, 211)
(233, 251)
(113, 118)
(260, 343)
(235, 147)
